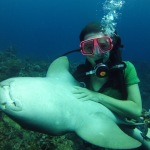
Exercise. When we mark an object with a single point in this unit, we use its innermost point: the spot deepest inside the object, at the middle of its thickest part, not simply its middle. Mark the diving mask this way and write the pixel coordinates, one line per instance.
(102, 44)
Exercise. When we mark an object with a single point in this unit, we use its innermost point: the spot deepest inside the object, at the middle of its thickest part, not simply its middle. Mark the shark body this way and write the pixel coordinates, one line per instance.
(47, 105)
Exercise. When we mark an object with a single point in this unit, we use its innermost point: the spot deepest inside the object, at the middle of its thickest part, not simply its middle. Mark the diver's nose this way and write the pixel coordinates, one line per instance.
(97, 50)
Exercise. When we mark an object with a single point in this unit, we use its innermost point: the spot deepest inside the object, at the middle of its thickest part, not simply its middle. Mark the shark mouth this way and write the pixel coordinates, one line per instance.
(6, 100)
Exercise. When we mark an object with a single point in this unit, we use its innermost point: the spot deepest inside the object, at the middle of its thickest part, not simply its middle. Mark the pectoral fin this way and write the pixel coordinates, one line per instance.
(100, 130)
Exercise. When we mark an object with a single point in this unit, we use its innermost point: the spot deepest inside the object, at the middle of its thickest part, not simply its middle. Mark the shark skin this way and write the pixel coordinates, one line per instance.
(47, 105)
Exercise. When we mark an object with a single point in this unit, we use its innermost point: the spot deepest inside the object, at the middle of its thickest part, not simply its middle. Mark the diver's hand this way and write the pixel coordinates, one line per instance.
(84, 94)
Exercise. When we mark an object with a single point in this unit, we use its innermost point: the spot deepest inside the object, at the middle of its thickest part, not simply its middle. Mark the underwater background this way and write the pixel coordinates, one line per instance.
(35, 32)
(46, 28)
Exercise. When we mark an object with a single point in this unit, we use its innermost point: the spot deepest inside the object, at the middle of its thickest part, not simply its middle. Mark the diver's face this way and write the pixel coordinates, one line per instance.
(97, 54)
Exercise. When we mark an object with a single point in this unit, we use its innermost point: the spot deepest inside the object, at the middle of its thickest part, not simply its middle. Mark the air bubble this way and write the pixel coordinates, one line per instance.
(111, 13)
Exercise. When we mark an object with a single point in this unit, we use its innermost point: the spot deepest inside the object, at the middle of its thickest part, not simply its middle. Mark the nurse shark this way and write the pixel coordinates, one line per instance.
(48, 105)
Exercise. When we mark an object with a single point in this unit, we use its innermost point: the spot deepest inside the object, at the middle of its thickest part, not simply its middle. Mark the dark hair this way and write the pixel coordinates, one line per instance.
(116, 77)
(93, 27)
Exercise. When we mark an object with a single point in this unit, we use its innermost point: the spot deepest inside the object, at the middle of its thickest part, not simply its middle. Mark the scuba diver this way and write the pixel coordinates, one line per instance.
(108, 80)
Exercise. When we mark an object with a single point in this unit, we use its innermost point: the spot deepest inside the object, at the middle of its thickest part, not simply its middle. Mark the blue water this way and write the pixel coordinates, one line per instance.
(46, 28)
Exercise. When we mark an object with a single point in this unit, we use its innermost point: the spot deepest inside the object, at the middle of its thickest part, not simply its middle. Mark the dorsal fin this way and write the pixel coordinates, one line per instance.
(58, 66)
(59, 69)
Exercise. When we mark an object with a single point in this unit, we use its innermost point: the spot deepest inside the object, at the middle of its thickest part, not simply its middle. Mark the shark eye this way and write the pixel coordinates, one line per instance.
(14, 103)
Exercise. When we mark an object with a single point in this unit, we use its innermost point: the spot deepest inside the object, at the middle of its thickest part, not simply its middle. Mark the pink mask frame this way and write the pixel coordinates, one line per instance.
(96, 42)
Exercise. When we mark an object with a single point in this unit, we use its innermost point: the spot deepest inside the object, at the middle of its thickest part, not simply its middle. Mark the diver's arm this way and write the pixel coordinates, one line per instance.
(132, 107)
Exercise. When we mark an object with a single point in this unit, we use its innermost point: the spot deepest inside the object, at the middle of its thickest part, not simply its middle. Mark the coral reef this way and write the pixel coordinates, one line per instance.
(9, 64)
